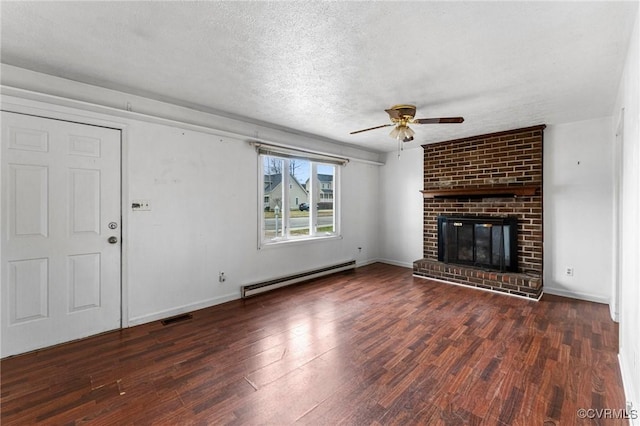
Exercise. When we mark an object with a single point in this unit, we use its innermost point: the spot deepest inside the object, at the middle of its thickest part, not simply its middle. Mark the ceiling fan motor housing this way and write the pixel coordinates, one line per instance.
(400, 112)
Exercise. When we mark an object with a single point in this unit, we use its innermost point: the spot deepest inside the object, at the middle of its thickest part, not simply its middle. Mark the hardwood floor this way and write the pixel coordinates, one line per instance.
(374, 346)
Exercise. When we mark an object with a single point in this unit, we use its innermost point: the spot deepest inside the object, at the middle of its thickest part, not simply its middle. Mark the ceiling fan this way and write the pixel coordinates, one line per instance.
(401, 116)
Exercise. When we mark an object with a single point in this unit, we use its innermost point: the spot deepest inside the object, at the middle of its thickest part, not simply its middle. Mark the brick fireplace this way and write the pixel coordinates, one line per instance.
(497, 175)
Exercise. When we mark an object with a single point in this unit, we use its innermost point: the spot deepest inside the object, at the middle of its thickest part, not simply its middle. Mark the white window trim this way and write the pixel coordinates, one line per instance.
(313, 208)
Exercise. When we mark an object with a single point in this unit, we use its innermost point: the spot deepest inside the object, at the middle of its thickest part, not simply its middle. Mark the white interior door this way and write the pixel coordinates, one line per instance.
(60, 206)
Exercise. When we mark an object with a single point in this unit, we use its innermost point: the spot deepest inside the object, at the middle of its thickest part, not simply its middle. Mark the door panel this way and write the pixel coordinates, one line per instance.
(84, 281)
(84, 187)
(28, 201)
(28, 139)
(28, 290)
(60, 190)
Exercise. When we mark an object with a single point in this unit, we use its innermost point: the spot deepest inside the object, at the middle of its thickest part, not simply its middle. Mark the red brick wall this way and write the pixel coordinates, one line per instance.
(511, 158)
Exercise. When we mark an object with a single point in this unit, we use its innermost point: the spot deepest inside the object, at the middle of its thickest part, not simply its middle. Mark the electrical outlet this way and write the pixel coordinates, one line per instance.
(569, 272)
(221, 277)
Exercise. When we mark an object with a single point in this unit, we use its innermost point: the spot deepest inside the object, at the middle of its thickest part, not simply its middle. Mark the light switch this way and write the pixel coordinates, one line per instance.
(140, 205)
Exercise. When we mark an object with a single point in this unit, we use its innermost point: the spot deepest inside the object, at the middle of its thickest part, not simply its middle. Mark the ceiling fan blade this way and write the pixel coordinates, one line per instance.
(438, 120)
(371, 128)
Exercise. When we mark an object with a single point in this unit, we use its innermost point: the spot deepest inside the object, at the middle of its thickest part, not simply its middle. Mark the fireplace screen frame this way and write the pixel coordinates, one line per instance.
(504, 229)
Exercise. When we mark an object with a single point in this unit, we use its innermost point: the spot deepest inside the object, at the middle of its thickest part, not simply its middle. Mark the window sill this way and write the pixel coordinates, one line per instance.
(296, 241)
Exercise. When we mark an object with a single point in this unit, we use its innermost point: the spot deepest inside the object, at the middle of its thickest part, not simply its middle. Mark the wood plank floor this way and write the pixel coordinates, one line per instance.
(374, 346)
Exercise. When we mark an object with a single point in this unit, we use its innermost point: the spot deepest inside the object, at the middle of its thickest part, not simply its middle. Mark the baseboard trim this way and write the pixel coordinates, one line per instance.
(575, 295)
(629, 393)
(362, 263)
(143, 319)
(396, 263)
(614, 315)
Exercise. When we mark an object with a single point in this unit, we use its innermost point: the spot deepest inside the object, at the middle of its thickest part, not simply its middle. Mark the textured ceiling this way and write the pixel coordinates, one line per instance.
(328, 68)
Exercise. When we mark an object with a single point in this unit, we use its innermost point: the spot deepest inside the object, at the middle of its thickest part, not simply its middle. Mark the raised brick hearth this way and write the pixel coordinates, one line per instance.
(478, 176)
(516, 284)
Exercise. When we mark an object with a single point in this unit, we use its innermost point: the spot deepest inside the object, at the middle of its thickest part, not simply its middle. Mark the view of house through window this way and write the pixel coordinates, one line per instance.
(298, 198)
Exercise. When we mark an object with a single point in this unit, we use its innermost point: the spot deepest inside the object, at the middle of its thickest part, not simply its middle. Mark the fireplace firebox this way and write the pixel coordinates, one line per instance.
(483, 242)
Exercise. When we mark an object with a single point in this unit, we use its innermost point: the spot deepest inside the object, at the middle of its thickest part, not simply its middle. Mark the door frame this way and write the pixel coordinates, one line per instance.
(618, 167)
(56, 111)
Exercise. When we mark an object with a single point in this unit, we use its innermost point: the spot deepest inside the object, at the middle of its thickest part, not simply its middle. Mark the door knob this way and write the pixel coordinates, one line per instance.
(113, 240)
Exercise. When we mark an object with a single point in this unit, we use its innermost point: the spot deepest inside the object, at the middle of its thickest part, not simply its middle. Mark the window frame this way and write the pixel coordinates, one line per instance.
(314, 198)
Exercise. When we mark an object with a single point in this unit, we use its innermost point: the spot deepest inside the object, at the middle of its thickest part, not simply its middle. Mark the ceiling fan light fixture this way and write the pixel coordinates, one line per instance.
(409, 133)
(402, 132)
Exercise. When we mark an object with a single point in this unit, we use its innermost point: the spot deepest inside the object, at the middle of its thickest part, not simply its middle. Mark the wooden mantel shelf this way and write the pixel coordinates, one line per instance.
(490, 191)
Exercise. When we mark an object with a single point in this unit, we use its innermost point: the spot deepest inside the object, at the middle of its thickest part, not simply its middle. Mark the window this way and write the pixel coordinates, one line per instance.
(300, 196)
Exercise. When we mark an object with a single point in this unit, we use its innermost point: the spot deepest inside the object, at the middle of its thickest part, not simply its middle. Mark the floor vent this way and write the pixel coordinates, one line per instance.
(253, 289)
(177, 318)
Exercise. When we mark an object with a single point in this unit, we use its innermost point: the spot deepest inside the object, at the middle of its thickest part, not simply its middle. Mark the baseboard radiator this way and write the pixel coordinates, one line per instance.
(254, 289)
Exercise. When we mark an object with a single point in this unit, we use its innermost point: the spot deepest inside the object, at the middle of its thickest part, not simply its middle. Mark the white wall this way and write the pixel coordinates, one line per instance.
(203, 193)
(629, 102)
(401, 207)
(578, 183)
